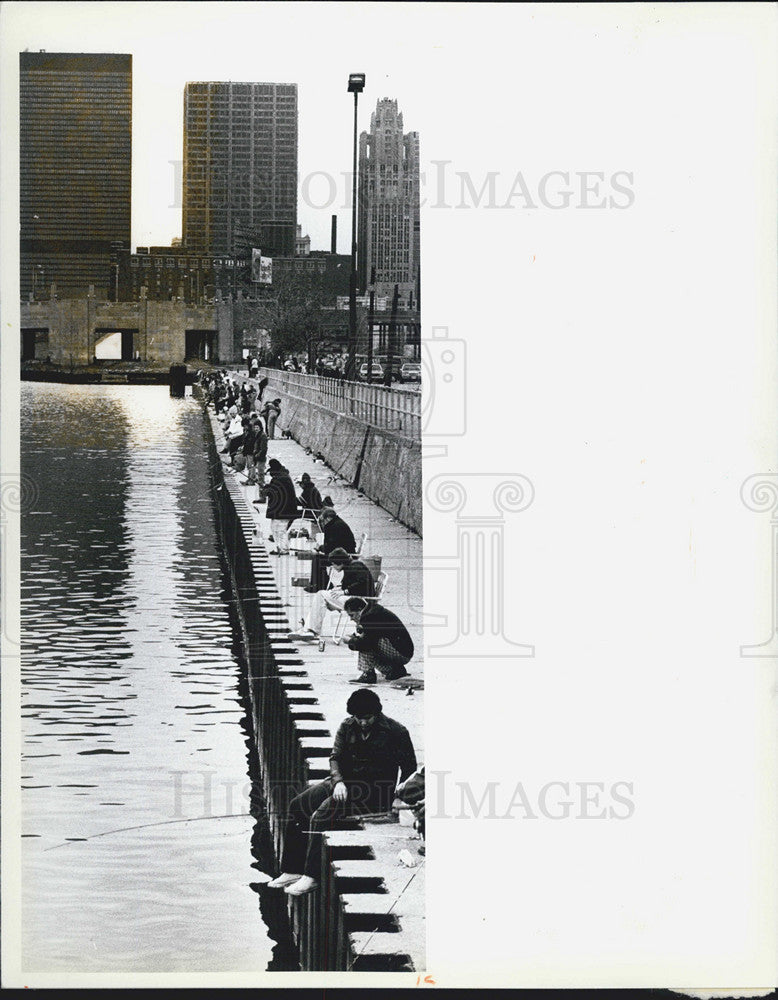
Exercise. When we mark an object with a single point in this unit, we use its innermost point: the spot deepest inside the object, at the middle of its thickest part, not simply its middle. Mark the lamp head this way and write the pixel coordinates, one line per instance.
(356, 83)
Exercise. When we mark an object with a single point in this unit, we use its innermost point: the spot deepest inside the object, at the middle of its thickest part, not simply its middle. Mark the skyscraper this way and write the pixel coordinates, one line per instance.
(75, 161)
(240, 168)
(388, 207)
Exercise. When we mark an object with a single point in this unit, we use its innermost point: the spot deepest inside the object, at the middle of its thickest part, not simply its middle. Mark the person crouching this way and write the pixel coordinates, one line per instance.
(382, 641)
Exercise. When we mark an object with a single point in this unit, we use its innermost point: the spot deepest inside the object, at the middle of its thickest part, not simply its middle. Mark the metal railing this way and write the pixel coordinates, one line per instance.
(389, 409)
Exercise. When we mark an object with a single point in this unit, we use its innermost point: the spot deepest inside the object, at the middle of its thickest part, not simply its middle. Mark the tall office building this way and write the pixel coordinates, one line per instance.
(240, 168)
(388, 233)
(75, 163)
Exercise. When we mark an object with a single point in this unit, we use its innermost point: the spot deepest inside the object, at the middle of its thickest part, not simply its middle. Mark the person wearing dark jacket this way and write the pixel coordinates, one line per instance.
(249, 442)
(381, 639)
(310, 498)
(369, 751)
(259, 454)
(310, 502)
(337, 535)
(356, 580)
(281, 505)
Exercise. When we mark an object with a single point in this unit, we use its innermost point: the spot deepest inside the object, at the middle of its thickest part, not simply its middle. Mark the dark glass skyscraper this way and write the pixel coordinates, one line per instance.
(388, 208)
(75, 164)
(240, 168)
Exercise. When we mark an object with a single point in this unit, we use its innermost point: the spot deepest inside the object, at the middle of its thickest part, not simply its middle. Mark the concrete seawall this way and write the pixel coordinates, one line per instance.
(384, 465)
(353, 922)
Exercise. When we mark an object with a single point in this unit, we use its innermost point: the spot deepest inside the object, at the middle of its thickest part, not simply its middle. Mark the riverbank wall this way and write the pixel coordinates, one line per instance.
(346, 924)
(124, 373)
(383, 464)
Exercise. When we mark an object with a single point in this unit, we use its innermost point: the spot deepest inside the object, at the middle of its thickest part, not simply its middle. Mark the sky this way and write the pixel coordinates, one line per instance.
(173, 44)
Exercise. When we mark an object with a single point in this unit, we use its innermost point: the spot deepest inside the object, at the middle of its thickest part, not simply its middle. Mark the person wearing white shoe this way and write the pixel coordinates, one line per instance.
(369, 751)
(356, 581)
(302, 886)
(282, 881)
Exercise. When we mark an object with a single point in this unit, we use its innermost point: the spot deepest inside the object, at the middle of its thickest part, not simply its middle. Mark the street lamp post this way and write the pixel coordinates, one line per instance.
(370, 326)
(356, 84)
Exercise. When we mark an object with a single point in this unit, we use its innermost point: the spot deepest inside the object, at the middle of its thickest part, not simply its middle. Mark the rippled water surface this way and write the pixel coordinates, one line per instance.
(138, 847)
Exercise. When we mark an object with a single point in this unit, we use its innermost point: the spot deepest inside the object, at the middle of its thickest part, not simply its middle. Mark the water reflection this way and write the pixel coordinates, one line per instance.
(131, 694)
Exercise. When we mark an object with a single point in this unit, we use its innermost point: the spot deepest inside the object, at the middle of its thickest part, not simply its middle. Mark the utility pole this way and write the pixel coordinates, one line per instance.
(356, 84)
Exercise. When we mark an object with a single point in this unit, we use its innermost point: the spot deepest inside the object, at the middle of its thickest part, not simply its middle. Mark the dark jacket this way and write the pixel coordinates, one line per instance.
(260, 445)
(281, 496)
(377, 622)
(338, 535)
(311, 499)
(357, 580)
(375, 760)
(249, 440)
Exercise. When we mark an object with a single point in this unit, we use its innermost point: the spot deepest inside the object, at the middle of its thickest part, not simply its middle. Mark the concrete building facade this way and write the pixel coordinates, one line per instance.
(388, 231)
(71, 331)
(240, 168)
(75, 169)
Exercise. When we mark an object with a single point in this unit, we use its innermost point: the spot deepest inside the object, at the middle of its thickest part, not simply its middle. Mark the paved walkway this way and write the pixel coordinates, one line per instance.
(330, 670)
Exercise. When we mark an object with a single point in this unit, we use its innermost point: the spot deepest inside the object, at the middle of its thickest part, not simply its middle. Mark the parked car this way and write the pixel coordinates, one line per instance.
(410, 371)
(377, 372)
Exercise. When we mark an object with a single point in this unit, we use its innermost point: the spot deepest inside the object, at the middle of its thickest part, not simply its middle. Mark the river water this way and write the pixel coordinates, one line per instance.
(139, 850)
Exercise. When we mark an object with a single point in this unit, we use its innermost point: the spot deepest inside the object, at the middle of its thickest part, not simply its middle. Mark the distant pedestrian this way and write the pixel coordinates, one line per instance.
(271, 411)
(259, 454)
(249, 441)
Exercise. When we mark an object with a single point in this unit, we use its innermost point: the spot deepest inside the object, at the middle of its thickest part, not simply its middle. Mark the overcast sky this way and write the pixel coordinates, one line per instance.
(172, 44)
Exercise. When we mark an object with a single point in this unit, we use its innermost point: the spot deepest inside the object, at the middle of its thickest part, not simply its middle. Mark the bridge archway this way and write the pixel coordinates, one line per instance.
(114, 345)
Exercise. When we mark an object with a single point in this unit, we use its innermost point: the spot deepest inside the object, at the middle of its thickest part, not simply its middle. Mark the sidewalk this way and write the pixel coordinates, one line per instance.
(329, 672)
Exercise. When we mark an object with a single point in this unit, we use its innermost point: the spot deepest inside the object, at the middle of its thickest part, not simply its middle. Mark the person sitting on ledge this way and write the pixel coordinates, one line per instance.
(381, 639)
(310, 500)
(368, 752)
(356, 580)
(235, 433)
(337, 535)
